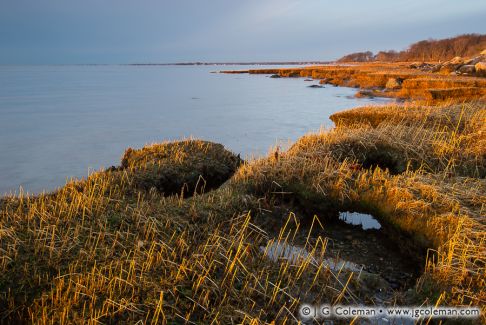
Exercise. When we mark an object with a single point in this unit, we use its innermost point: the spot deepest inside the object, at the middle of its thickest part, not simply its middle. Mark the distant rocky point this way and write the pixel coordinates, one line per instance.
(240, 63)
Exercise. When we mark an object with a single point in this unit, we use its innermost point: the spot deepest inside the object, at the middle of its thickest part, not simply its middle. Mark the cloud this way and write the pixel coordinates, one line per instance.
(57, 31)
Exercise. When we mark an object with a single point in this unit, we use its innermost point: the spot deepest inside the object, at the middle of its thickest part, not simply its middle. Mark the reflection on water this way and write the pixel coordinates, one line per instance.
(337, 264)
(61, 121)
(367, 221)
(276, 251)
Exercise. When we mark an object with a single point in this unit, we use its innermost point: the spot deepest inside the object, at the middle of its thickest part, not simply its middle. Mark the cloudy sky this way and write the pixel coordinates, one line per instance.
(123, 31)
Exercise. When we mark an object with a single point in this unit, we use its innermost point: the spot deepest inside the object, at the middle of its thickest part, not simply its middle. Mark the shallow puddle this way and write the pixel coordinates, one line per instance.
(336, 264)
(355, 242)
(380, 295)
(276, 251)
(367, 221)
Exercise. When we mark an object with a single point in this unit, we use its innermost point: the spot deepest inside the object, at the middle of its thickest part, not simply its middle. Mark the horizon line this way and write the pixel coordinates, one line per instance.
(176, 63)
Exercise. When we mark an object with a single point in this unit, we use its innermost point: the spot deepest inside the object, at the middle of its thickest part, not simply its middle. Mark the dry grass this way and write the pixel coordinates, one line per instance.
(107, 250)
(438, 210)
(449, 138)
(103, 251)
(373, 76)
(168, 167)
(448, 115)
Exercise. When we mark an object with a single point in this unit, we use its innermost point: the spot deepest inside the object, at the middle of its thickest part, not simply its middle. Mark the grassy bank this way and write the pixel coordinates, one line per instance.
(147, 241)
(375, 78)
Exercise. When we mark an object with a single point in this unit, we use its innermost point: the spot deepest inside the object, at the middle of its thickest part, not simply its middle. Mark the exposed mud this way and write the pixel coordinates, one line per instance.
(359, 244)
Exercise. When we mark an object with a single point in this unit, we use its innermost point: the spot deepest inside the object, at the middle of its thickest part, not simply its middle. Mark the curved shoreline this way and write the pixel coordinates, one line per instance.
(116, 236)
(375, 79)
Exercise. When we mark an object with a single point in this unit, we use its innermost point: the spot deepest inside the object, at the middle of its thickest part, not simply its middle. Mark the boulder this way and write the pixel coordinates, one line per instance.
(394, 83)
(365, 93)
(448, 68)
(294, 74)
(480, 69)
(415, 65)
(325, 81)
(433, 68)
(436, 68)
(457, 60)
(483, 52)
(467, 69)
(421, 66)
(476, 59)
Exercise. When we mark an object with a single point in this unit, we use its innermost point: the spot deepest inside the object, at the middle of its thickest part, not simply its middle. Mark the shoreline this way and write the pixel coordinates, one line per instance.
(237, 63)
(188, 228)
(394, 80)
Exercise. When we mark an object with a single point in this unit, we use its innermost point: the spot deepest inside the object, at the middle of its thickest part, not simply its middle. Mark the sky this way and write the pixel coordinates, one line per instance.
(150, 31)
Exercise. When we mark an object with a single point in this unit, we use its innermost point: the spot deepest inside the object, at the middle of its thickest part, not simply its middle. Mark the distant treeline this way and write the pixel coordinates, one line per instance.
(467, 45)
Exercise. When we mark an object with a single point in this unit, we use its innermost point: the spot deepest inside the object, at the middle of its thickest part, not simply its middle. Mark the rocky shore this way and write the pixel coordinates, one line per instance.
(186, 232)
(475, 67)
(458, 79)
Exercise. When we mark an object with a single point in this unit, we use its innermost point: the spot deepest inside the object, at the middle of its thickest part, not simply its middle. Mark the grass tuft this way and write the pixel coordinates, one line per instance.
(127, 246)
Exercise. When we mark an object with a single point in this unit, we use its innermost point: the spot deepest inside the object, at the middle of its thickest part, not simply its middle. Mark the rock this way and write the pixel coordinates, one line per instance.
(435, 68)
(457, 60)
(275, 76)
(309, 80)
(452, 65)
(468, 69)
(422, 66)
(325, 81)
(483, 52)
(480, 69)
(315, 86)
(394, 83)
(448, 68)
(294, 74)
(364, 94)
(419, 65)
(476, 59)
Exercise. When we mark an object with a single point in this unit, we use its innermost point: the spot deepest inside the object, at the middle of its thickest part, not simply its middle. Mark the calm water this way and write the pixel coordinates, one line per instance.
(63, 121)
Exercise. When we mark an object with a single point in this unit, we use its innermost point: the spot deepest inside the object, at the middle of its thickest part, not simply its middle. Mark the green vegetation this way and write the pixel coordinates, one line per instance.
(127, 245)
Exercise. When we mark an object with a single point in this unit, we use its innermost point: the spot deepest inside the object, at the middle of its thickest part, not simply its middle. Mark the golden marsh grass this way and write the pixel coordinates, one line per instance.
(107, 250)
